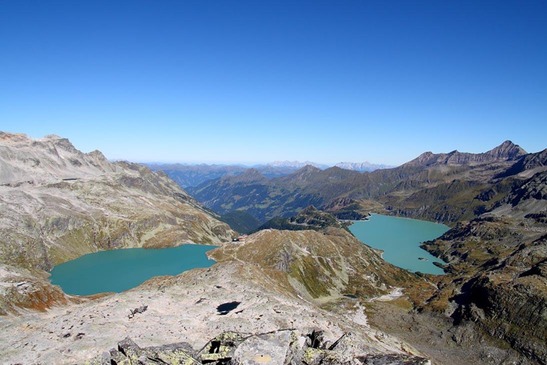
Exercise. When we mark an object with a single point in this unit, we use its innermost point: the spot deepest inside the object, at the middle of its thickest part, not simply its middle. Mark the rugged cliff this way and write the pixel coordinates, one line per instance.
(497, 265)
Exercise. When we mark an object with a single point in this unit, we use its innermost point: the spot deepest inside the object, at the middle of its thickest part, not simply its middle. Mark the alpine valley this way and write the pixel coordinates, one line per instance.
(299, 289)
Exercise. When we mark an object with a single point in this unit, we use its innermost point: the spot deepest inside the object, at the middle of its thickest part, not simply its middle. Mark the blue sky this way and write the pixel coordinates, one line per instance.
(259, 81)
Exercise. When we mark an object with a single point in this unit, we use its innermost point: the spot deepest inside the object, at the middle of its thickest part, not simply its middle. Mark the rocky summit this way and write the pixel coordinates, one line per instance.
(197, 308)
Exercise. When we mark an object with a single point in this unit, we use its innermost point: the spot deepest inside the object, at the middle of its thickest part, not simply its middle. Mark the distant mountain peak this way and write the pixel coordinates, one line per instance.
(425, 159)
(307, 170)
(310, 168)
(507, 150)
(295, 164)
(251, 172)
(361, 166)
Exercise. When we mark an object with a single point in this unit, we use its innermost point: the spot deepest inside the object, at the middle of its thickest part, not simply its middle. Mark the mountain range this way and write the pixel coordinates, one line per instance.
(438, 187)
(187, 175)
(297, 283)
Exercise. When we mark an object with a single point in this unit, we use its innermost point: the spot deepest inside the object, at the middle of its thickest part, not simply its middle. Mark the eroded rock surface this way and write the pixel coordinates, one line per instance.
(185, 309)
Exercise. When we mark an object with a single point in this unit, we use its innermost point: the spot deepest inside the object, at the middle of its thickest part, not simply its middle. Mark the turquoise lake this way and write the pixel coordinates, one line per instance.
(120, 270)
(400, 239)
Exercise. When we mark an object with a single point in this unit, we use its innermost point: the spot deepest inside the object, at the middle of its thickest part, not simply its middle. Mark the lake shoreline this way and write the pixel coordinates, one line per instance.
(399, 239)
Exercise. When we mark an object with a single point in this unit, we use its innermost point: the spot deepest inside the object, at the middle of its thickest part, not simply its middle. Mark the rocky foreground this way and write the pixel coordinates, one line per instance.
(277, 348)
(195, 307)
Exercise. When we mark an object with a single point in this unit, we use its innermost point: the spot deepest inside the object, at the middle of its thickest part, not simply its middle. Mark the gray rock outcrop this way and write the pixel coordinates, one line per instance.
(282, 347)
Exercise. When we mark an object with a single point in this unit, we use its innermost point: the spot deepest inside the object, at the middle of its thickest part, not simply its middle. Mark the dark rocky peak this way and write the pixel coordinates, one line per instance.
(310, 209)
(335, 170)
(506, 151)
(339, 172)
(425, 159)
(309, 169)
(302, 176)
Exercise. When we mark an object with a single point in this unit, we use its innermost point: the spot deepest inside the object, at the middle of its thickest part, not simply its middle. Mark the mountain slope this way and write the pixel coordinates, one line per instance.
(58, 203)
(252, 192)
(498, 277)
(319, 265)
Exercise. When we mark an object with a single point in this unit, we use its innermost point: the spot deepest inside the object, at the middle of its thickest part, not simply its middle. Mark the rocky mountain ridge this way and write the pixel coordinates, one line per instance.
(420, 188)
(47, 160)
(507, 151)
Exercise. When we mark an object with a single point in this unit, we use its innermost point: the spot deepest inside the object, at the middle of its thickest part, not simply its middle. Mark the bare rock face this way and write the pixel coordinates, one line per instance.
(232, 311)
(27, 161)
(23, 289)
(57, 203)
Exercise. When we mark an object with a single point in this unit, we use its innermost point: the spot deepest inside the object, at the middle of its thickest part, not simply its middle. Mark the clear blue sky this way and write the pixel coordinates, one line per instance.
(258, 81)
